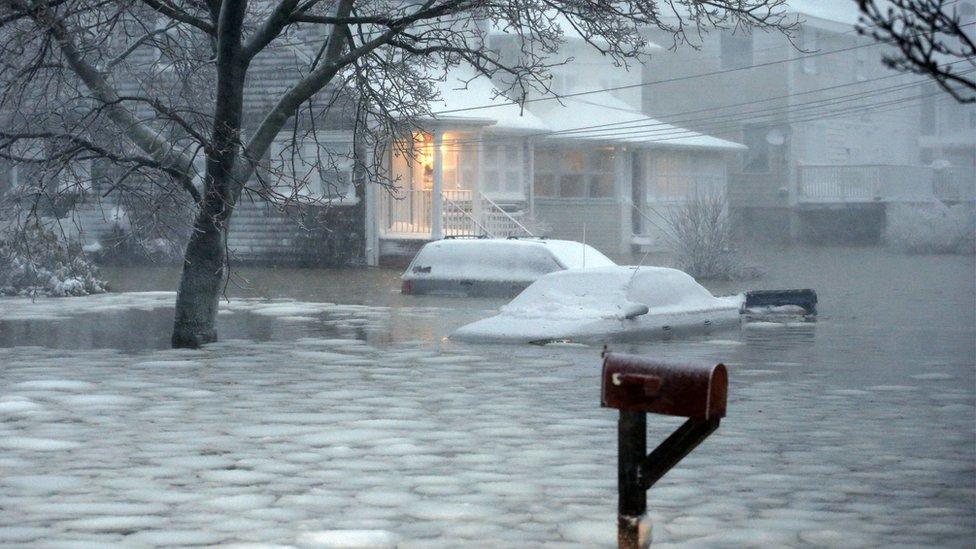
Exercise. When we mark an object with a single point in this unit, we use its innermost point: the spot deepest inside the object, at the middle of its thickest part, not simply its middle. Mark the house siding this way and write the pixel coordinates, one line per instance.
(598, 222)
(784, 96)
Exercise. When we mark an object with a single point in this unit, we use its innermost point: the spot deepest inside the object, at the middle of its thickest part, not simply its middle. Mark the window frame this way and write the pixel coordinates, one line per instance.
(583, 178)
(315, 188)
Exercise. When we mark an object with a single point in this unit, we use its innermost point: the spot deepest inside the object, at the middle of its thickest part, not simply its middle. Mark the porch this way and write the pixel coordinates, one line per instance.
(412, 214)
(884, 183)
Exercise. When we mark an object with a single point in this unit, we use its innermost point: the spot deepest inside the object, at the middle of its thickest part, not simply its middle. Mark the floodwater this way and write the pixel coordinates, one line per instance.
(856, 430)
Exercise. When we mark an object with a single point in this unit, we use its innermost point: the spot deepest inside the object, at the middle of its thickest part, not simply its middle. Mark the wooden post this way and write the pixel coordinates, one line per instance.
(436, 195)
(632, 497)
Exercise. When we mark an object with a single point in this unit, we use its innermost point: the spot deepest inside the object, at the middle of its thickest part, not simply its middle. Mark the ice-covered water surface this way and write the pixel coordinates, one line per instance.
(336, 427)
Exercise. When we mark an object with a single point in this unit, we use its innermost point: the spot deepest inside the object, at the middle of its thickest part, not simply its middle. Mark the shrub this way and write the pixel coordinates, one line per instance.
(700, 238)
(930, 228)
(34, 260)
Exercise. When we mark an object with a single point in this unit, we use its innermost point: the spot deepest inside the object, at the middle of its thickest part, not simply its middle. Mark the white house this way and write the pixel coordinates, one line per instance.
(587, 166)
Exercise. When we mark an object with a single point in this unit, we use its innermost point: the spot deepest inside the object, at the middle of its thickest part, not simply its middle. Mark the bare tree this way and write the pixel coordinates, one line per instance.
(77, 80)
(932, 37)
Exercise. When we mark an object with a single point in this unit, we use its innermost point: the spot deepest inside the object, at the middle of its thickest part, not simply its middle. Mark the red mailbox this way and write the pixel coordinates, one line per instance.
(637, 386)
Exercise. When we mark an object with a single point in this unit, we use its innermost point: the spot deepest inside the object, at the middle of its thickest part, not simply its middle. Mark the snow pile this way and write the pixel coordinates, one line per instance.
(36, 261)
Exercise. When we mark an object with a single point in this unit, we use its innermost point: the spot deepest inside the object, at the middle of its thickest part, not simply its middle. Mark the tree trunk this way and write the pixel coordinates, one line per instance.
(200, 284)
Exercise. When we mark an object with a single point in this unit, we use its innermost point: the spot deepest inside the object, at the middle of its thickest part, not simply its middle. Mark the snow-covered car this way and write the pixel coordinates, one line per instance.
(492, 267)
(605, 303)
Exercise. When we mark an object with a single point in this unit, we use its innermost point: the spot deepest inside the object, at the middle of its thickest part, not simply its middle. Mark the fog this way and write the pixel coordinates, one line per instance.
(356, 274)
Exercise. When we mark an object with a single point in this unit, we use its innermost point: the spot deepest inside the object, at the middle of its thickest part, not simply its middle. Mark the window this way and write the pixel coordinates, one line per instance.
(503, 169)
(809, 43)
(736, 50)
(574, 173)
(318, 167)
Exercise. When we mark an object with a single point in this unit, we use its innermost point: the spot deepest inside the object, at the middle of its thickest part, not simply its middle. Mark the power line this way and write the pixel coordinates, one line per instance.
(675, 79)
(719, 128)
(643, 128)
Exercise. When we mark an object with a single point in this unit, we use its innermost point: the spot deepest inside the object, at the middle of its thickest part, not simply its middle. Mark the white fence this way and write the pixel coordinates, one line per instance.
(865, 183)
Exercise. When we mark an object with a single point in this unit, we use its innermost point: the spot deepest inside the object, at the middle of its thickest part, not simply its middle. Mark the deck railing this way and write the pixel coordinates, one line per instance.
(408, 214)
(865, 183)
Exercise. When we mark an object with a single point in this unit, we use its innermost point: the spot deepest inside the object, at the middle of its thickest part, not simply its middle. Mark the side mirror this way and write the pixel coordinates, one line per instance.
(634, 310)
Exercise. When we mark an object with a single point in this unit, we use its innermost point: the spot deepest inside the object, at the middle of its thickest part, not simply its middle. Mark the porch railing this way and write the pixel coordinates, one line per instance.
(408, 214)
(864, 183)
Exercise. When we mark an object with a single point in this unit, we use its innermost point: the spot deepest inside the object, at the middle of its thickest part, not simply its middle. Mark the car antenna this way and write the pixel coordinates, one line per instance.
(584, 245)
(637, 268)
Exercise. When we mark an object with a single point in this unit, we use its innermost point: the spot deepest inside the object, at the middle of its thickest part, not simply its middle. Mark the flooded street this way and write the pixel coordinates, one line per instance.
(856, 430)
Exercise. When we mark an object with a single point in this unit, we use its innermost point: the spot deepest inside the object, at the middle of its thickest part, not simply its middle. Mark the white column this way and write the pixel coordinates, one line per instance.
(479, 150)
(529, 182)
(370, 214)
(437, 198)
(622, 184)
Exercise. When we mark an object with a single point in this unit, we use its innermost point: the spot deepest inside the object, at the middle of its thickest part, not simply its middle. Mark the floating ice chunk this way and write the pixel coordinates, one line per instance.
(447, 510)
(157, 364)
(63, 509)
(36, 444)
(932, 376)
(120, 524)
(21, 534)
(18, 406)
(45, 484)
(175, 538)
(98, 401)
(241, 502)
(348, 539)
(236, 476)
(55, 385)
(590, 532)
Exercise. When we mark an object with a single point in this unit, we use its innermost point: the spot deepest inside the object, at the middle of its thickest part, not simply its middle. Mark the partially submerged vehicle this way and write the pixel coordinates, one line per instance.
(493, 267)
(597, 304)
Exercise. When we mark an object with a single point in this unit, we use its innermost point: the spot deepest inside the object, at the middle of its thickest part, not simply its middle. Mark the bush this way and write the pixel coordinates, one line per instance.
(930, 228)
(700, 237)
(34, 260)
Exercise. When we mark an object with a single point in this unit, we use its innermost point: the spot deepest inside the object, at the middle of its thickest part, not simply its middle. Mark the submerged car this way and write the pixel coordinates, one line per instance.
(492, 267)
(606, 303)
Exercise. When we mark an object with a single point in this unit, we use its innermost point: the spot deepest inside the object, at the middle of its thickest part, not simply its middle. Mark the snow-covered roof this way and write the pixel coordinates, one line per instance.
(838, 11)
(468, 97)
(569, 31)
(619, 123)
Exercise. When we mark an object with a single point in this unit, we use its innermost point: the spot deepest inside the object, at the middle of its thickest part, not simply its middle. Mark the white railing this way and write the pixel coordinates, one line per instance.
(499, 223)
(955, 184)
(408, 214)
(865, 183)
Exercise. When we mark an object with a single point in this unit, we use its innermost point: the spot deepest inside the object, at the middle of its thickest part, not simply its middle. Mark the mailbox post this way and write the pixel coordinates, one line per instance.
(637, 386)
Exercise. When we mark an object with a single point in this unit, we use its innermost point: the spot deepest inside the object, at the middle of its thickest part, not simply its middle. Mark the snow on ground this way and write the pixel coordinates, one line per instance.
(340, 442)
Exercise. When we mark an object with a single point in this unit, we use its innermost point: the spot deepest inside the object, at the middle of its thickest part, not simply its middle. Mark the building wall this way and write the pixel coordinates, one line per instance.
(598, 222)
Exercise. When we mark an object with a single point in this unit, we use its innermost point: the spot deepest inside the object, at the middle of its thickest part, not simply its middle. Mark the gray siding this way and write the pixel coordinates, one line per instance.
(566, 219)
